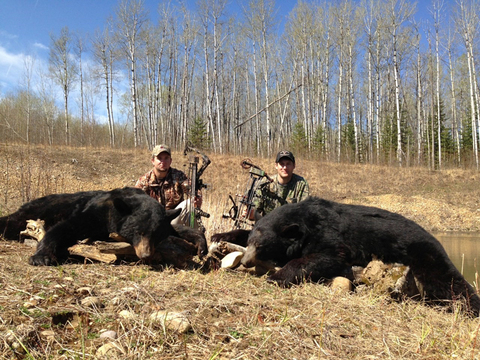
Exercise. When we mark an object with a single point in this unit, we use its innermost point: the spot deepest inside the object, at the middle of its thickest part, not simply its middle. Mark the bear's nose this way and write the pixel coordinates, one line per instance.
(143, 248)
(248, 259)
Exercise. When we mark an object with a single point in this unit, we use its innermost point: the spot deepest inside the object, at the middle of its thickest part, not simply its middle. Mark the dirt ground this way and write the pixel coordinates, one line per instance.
(64, 312)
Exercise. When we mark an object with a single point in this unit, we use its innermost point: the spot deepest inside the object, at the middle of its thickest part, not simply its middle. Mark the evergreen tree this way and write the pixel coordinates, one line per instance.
(318, 140)
(299, 139)
(198, 134)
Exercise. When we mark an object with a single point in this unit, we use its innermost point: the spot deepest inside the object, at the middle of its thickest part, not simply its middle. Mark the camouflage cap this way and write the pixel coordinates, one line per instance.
(285, 154)
(161, 148)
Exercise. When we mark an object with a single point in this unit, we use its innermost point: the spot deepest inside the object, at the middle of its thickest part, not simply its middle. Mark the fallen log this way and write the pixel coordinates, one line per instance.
(117, 248)
(92, 252)
(173, 250)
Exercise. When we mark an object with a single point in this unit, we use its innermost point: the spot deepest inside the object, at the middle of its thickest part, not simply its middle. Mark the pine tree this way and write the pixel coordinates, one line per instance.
(198, 134)
(299, 139)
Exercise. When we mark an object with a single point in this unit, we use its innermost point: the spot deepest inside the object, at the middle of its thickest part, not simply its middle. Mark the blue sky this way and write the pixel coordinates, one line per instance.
(26, 25)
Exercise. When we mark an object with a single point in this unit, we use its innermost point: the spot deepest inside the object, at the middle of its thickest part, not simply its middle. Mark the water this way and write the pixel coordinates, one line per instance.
(463, 247)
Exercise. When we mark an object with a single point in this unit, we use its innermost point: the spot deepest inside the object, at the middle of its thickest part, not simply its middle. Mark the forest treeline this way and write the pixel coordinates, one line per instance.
(355, 81)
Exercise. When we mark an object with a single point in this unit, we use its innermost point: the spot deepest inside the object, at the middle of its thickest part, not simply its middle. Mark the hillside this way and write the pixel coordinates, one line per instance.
(62, 312)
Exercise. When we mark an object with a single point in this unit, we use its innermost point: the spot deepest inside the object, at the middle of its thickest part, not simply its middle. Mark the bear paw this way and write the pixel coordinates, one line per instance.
(42, 260)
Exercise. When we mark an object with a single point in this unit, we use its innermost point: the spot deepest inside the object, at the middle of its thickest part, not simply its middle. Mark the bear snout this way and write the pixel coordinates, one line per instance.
(143, 250)
(248, 259)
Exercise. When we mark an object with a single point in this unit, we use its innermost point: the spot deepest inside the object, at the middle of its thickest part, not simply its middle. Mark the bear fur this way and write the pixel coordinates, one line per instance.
(128, 212)
(318, 240)
(237, 236)
(196, 237)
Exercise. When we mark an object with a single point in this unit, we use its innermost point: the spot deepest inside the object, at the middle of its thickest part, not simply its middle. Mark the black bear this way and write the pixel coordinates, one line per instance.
(318, 239)
(128, 212)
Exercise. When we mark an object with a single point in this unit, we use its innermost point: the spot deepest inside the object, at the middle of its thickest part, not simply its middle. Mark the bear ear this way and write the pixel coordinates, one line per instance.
(122, 207)
(291, 231)
(172, 214)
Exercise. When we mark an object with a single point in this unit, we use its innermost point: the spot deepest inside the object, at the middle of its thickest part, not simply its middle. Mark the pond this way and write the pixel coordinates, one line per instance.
(464, 250)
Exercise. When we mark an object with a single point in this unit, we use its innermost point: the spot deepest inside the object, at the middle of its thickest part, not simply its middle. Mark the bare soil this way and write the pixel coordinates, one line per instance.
(232, 315)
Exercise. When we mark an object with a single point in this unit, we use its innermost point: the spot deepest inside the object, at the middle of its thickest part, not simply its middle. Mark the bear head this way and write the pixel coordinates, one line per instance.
(142, 221)
(276, 239)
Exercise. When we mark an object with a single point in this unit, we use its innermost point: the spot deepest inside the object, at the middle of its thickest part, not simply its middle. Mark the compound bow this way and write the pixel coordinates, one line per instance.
(240, 213)
(194, 174)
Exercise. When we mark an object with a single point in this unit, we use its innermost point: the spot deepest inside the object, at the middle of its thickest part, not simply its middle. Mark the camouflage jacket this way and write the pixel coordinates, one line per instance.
(170, 191)
(270, 195)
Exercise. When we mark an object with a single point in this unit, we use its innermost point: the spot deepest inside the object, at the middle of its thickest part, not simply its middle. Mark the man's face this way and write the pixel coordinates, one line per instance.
(285, 168)
(162, 162)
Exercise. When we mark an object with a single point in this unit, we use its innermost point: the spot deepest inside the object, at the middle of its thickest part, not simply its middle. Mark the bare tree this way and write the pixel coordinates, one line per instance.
(28, 66)
(340, 49)
(47, 103)
(371, 29)
(104, 53)
(467, 20)
(399, 12)
(437, 9)
(130, 19)
(261, 22)
(63, 69)
(80, 48)
(451, 68)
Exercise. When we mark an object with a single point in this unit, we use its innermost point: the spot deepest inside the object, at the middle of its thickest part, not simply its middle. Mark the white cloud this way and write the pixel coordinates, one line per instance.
(7, 35)
(40, 46)
(11, 67)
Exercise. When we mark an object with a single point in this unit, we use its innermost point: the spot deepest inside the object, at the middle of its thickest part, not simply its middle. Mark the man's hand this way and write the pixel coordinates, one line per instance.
(250, 216)
(197, 201)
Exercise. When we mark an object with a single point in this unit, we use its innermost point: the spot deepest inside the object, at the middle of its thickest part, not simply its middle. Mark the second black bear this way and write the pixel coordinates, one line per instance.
(128, 212)
(318, 239)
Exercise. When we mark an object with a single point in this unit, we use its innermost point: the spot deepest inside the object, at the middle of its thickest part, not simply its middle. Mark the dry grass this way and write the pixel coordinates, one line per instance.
(233, 315)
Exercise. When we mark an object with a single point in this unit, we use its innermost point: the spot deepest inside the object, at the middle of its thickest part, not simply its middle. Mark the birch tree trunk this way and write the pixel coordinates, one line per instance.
(80, 45)
(437, 9)
(131, 16)
(399, 12)
(419, 105)
(104, 55)
(397, 100)
(455, 127)
(466, 21)
(63, 70)
(352, 105)
(339, 108)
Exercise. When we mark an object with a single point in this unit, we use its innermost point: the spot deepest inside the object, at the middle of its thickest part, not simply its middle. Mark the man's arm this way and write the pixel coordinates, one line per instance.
(304, 191)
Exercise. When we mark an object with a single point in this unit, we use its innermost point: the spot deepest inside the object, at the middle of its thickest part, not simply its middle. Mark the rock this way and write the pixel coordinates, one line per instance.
(84, 291)
(394, 279)
(92, 301)
(30, 303)
(23, 336)
(48, 334)
(231, 260)
(129, 289)
(109, 350)
(127, 314)
(31, 243)
(177, 322)
(109, 334)
(116, 300)
(341, 284)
